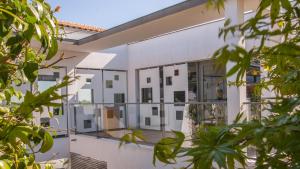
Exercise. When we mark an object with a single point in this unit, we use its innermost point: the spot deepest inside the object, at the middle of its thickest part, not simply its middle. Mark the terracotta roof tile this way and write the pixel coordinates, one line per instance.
(80, 26)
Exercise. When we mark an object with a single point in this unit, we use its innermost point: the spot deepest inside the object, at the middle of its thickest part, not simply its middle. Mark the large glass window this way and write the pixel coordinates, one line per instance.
(146, 95)
(192, 77)
(214, 83)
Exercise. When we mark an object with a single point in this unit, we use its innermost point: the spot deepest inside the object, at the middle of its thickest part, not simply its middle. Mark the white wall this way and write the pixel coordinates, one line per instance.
(192, 44)
(179, 83)
(146, 109)
(60, 149)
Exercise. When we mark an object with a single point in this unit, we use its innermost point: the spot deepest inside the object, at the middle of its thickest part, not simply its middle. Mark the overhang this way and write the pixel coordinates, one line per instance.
(179, 16)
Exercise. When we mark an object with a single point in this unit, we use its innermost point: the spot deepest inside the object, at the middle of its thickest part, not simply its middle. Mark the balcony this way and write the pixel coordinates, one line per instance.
(155, 120)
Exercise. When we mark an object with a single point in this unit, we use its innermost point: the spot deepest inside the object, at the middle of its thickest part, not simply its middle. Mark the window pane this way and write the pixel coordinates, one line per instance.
(179, 115)
(109, 84)
(179, 96)
(148, 80)
(119, 98)
(116, 77)
(169, 81)
(87, 124)
(146, 95)
(154, 111)
(147, 121)
(176, 72)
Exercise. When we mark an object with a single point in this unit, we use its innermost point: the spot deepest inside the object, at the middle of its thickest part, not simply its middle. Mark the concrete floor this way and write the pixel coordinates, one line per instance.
(151, 136)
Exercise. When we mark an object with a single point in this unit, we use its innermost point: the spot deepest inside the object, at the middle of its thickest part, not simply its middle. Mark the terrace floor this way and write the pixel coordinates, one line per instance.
(151, 136)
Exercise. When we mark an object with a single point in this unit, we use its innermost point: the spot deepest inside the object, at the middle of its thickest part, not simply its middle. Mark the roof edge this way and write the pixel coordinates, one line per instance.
(142, 20)
(80, 26)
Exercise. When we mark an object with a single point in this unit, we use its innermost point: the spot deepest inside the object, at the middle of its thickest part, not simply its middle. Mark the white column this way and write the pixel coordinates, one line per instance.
(236, 96)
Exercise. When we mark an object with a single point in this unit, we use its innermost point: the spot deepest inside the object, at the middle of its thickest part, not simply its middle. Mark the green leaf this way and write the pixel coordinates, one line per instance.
(4, 165)
(31, 71)
(47, 143)
(53, 48)
(275, 8)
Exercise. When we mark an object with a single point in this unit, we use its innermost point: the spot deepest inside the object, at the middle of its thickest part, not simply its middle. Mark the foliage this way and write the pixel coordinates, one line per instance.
(28, 37)
(132, 137)
(275, 29)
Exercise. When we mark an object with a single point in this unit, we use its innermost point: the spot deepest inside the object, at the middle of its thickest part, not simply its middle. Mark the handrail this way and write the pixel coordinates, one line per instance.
(221, 102)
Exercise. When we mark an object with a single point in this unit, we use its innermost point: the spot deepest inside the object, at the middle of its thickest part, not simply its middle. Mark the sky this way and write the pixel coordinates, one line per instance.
(107, 13)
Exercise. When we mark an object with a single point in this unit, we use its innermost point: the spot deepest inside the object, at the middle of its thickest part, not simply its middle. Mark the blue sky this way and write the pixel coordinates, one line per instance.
(107, 13)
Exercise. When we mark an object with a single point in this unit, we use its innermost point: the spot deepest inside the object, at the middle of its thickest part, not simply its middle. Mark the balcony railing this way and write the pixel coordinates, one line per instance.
(156, 120)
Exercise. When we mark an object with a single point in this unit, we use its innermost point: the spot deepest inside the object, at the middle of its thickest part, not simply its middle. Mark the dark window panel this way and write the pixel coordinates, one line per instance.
(169, 80)
(88, 80)
(147, 121)
(176, 72)
(119, 98)
(116, 77)
(87, 124)
(179, 115)
(121, 114)
(179, 96)
(148, 80)
(154, 111)
(109, 84)
(146, 95)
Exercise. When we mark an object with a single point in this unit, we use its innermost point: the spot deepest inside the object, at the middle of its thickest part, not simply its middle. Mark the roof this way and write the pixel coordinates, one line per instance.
(80, 26)
(144, 19)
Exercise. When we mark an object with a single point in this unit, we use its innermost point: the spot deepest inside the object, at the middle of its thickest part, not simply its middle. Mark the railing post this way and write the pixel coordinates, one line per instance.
(162, 119)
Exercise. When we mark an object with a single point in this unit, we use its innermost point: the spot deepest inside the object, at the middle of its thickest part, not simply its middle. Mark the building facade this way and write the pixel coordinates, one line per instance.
(147, 74)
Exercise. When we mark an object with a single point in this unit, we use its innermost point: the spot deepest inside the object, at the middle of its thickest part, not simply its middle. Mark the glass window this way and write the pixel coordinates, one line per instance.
(109, 84)
(57, 111)
(146, 95)
(154, 111)
(192, 78)
(148, 80)
(85, 96)
(87, 124)
(116, 77)
(169, 81)
(121, 113)
(147, 121)
(179, 96)
(45, 122)
(88, 80)
(119, 98)
(176, 72)
(179, 115)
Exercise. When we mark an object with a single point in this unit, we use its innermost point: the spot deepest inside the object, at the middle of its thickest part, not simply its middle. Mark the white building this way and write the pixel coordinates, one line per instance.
(144, 74)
